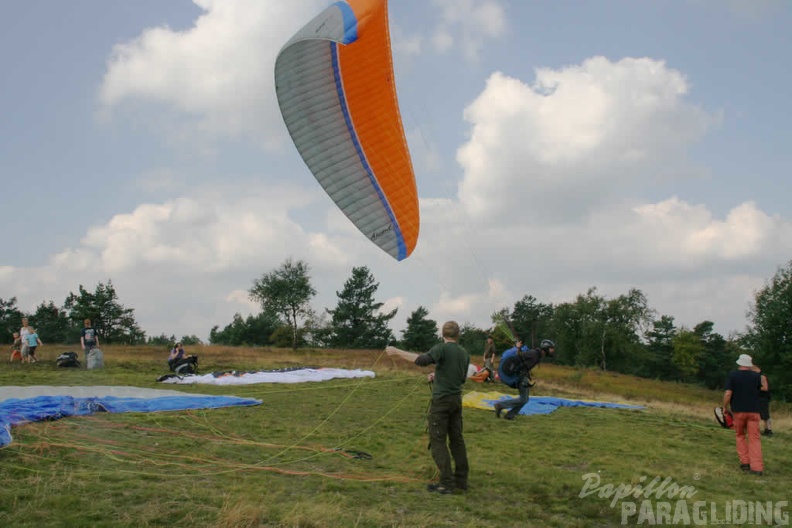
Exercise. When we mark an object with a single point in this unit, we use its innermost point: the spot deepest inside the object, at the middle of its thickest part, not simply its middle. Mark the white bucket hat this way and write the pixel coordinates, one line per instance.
(745, 360)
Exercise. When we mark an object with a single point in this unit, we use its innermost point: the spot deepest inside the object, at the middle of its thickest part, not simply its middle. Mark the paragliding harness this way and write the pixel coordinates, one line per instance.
(68, 360)
(509, 368)
(185, 365)
(725, 418)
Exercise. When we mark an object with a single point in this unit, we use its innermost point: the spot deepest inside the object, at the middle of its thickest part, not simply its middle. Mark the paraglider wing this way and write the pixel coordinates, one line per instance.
(336, 92)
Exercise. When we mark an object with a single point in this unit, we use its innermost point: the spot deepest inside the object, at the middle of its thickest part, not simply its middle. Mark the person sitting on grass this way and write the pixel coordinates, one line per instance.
(176, 353)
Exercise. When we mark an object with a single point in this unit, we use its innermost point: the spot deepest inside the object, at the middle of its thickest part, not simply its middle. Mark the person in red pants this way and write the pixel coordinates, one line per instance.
(742, 396)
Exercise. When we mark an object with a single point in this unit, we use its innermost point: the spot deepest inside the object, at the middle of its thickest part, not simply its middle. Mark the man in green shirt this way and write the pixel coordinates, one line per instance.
(445, 413)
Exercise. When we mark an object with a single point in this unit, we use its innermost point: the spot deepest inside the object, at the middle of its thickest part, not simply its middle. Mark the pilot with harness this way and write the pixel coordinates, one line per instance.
(515, 371)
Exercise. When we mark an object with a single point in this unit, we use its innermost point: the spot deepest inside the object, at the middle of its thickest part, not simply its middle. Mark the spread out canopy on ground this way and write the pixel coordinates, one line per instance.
(336, 91)
(536, 404)
(19, 405)
(289, 375)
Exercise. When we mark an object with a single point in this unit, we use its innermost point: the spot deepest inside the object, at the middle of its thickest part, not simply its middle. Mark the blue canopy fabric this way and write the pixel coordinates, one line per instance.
(537, 404)
(16, 411)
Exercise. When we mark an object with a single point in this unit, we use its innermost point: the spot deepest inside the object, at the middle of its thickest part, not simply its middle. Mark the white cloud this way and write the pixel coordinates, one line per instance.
(547, 202)
(188, 260)
(404, 44)
(467, 24)
(242, 299)
(213, 230)
(393, 303)
(573, 140)
(218, 72)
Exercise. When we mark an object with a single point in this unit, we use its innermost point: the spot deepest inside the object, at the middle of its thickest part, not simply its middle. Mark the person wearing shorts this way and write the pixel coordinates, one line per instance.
(764, 404)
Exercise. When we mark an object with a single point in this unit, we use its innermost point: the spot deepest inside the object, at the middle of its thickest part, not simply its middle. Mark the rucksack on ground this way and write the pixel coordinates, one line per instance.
(67, 360)
(95, 359)
(185, 365)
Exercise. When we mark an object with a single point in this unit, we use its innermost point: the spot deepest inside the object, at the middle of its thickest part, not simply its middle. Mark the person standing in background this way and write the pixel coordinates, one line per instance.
(489, 354)
(16, 352)
(33, 343)
(742, 396)
(764, 403)
(89, 338)
(23, 332)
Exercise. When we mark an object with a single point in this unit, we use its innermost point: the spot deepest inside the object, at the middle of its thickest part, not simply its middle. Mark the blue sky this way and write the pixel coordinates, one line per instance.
(557, 146)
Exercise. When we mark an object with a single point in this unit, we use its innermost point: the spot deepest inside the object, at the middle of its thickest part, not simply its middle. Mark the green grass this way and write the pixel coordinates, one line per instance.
(276, 464)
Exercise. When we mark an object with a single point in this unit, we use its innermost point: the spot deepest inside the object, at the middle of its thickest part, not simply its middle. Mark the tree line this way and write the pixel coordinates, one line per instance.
(622, 334)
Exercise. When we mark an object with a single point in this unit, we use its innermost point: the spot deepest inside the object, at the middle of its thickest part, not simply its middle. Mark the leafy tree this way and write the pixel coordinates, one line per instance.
(287, 291)
(255, 330)
(473, 339)
(283, 337)
(356, 320)
(113, 322)
(421, 332)
(660, 349)
(626, 318)
(688, 348)
(162, 340)
(53, 324)
(10, 319)
(770, 334)
(578, 327)
(531, 319)
(317, 331)
(190, 340)
(715, 361)
(597, 331)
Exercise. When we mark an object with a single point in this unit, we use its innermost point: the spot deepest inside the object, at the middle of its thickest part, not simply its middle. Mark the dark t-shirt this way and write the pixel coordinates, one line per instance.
(764, 394)
(745, 385)
(89, 336)
(451, 362)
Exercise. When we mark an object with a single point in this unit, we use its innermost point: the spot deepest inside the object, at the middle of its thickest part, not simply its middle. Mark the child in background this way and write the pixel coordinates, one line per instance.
(33, 343)
(15, 348)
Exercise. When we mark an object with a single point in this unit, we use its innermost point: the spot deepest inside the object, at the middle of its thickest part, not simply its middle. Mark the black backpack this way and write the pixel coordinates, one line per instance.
(67, 360)
(185, 365)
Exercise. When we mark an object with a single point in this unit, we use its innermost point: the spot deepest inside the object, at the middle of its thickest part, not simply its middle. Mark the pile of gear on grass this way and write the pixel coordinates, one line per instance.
(180, 364)
(94, 360)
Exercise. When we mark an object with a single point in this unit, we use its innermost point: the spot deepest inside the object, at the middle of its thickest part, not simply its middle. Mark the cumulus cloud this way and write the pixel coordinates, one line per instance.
(549, 199)
(218, 72)
(405, 44)
(467, 24)
(576, 136)
(203, 232)
(190, 260)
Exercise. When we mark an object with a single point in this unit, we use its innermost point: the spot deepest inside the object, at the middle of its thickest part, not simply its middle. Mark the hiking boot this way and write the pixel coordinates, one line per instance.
(461, 486)
(757, 473)
(745, 467)
(439, 488)
(510, 416)
(498, 410)
(767, 432)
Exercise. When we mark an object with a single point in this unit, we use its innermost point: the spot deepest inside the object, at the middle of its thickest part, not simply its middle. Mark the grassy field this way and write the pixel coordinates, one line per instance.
(289, 462)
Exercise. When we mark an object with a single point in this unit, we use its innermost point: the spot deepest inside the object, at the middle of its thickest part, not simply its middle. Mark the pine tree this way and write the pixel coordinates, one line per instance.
(357, 322)
(421, 333)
